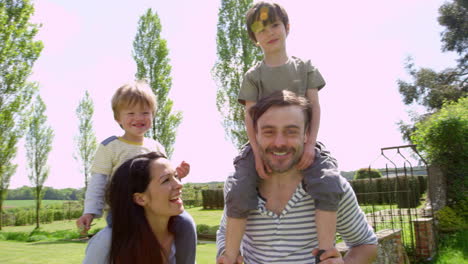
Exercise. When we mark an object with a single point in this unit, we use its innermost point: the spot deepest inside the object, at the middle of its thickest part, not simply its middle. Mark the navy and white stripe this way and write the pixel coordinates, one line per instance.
(291, 236)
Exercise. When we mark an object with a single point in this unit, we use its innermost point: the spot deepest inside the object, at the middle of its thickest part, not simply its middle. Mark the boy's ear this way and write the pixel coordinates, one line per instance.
(139, 198)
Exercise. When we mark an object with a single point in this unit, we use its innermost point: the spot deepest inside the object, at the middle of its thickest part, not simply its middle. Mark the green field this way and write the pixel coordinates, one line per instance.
(68, 252)
(28, 203)
(73, 252)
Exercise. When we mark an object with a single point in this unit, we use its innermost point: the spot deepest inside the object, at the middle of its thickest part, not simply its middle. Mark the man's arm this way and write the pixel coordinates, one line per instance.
(363, 254)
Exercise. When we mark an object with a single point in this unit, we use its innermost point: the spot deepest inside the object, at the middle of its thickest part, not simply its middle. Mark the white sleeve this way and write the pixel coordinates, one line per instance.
(94, 198)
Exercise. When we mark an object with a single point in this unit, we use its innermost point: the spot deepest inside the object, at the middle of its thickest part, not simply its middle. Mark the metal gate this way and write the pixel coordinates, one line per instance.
(399, 197)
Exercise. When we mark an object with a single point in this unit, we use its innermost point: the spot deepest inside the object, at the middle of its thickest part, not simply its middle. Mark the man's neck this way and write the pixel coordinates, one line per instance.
(279, 188)
(276, 59)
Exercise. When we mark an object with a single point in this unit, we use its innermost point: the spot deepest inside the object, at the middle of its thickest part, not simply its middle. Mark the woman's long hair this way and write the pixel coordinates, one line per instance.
(132, 238)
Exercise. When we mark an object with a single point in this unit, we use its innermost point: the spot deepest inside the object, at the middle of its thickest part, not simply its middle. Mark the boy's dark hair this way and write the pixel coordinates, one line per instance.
(281, 98)
(262, 14)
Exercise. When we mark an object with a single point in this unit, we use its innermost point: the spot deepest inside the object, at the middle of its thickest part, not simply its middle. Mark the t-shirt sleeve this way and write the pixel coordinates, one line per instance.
(102, 163)
(160, 147)
(249, 89)
(314, 78)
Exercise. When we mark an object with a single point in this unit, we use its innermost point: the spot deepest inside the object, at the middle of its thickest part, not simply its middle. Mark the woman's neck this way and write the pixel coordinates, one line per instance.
(160, 228)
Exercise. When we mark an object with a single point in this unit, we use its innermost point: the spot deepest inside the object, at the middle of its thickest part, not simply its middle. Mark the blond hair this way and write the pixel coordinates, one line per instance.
(131, 94)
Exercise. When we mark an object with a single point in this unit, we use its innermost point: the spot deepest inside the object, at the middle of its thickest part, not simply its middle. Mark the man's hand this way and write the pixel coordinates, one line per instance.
(84, 223)
(224, 260)
(308, 156)
(330, 256)
(183, 169)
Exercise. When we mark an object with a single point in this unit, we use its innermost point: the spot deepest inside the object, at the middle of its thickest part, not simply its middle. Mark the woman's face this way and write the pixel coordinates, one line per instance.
(162, 196)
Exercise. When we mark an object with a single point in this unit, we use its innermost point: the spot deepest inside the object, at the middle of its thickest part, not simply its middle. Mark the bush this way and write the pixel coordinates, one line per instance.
(443, 139)
(203, 229)
(367, 173)
(448, 220)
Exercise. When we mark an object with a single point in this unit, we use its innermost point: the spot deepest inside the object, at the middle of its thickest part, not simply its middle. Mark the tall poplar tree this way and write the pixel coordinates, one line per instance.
(38, 146)
(236, 54)
(86, 142)
(150, 54)
(18, 52)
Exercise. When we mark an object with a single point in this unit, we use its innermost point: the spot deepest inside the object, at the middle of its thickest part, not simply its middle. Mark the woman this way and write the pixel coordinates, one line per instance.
(144, 196)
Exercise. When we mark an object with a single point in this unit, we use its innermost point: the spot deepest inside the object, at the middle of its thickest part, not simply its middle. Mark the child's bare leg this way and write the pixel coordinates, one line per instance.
(326, 228)
(235, 228)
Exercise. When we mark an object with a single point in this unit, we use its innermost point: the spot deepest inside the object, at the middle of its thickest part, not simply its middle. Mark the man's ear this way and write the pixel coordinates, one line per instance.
(287, 29)
(139, 198)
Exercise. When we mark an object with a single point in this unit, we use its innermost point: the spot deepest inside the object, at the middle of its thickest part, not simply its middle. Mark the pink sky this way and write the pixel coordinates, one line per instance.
(359, 46)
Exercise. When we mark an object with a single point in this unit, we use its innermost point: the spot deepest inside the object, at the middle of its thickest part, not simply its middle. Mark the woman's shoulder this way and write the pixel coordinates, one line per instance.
(98, 247)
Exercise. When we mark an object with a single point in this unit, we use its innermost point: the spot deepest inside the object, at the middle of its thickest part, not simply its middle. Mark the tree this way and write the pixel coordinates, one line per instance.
(236, 54)
(150, 54)
(38, 145)
(443, 139)
(86, 140)
(18, 52)
(367, 173)
(430, 88)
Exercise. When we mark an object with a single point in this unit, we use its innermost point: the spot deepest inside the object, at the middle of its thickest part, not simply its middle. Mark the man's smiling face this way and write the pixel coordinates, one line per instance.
(281, 136)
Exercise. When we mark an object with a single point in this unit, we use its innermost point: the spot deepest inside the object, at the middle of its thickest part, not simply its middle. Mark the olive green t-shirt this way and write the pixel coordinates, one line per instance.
(295, 75)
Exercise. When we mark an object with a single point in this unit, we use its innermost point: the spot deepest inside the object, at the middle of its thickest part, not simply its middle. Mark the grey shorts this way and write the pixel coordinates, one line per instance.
(322, 181)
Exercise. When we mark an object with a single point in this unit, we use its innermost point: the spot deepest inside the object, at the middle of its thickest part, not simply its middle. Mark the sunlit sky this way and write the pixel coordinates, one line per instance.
(359, 46)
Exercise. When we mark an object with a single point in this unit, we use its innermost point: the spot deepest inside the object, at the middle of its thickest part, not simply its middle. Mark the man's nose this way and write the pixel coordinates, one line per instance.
(280, 140)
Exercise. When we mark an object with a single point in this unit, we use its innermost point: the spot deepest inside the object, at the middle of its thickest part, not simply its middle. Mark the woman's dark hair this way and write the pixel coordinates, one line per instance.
(132, 238)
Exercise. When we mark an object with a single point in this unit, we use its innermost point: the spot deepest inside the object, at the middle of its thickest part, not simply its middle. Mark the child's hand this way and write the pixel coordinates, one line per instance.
(262, 169)
(307, 158)
(183, 169)
(84, 223)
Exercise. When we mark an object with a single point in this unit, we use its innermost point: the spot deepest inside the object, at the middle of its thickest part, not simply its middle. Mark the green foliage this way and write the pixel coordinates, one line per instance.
(404, 191)
(86, 142)
(443, 139)
(20, 216)
(430, 88)
(453, 248)
(236, 54)
(26, 193)
(448, 219)
(18, 52)
(367, 173)
(150, 54)
(38, 145)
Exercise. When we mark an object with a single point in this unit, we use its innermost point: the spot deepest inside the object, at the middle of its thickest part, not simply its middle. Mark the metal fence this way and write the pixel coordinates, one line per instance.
(389, 202)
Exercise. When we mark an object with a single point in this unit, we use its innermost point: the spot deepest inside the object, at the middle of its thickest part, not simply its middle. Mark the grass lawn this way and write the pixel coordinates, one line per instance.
(206, 217)
(69, 252)
(54, 226)
(28, 203)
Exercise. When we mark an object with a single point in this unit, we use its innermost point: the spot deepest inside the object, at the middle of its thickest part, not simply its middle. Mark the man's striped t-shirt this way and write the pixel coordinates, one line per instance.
(291, 236)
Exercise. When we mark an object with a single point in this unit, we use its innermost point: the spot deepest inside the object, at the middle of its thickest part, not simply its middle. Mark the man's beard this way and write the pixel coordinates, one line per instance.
(282, 167)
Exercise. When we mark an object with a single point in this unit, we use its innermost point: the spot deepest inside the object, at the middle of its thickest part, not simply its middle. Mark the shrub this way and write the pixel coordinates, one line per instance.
(203, 229)
(366, 173)
(443, 139)
(448, 220)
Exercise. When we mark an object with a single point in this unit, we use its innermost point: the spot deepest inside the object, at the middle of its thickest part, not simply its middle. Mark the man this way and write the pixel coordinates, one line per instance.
(282, 228)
